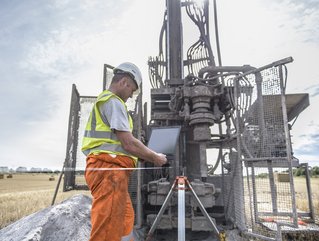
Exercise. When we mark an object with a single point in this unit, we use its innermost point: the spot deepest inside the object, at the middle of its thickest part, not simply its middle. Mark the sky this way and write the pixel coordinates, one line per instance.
(46, 46)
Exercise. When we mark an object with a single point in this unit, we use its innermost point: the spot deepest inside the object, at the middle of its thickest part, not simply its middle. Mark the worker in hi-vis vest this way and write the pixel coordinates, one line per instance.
(109, 144)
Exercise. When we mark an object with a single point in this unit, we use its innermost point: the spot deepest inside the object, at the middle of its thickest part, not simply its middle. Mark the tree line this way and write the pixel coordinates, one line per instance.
(301, 171)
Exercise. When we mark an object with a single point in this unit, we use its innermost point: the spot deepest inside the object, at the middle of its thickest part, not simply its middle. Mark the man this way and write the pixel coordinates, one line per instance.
(109, 144)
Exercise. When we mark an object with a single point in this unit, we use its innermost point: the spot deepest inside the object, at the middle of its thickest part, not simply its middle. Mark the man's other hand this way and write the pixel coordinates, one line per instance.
(159, 159)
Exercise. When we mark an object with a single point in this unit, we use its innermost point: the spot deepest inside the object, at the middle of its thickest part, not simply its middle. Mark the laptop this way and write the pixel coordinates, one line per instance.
(164, 140)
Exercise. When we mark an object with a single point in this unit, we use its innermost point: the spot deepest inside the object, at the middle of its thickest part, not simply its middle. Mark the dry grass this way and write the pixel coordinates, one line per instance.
(284, 202)
(25, 194)
(301, 195)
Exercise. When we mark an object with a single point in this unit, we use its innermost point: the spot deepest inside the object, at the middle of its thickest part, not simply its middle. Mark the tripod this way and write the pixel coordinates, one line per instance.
(181, 184)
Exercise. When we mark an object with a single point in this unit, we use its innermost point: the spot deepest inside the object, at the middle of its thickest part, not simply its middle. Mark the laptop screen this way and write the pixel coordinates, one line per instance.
(164, 139)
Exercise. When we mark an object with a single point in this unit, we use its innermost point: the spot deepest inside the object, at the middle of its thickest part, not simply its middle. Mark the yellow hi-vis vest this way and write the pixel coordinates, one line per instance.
(98, 136)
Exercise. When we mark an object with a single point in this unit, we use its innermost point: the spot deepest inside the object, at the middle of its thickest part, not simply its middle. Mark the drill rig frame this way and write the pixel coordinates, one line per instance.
(238, 114)
(249, 103)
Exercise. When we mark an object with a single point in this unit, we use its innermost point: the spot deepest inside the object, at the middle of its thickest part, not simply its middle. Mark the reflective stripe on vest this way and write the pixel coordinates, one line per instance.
(98, 136)
(110, 148)
(101, 134)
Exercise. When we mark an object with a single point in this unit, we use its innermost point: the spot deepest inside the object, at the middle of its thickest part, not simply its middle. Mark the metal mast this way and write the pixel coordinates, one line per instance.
(174, 43)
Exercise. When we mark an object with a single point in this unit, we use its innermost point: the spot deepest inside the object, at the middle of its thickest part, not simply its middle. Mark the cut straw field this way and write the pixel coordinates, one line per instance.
(301, 194)
(24, 194)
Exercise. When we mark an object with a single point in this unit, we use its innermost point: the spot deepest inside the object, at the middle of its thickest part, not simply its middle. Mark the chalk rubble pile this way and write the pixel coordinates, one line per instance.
(69, 220)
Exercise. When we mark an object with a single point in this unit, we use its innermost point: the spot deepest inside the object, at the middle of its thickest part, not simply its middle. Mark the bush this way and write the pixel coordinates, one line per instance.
(300, 171)
(315, 171)
(262, 175)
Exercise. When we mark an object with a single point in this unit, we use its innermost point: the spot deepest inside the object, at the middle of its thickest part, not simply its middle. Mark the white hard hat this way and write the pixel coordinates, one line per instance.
(131, 69)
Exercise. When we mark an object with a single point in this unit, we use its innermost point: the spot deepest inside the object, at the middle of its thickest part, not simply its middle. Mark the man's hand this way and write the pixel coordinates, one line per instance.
(159, 159)
(137, 148)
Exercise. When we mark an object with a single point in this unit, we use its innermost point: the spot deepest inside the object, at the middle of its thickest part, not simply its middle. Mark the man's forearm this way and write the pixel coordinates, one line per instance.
(135, 146)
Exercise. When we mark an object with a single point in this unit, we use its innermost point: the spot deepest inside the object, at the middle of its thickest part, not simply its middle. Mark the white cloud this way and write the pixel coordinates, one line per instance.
(68, 42)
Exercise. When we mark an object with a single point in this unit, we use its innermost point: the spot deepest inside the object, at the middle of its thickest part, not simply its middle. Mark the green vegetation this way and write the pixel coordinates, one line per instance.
(300, 171)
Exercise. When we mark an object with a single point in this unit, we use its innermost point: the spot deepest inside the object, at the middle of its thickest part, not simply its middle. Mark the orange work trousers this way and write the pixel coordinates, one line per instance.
(112, 213)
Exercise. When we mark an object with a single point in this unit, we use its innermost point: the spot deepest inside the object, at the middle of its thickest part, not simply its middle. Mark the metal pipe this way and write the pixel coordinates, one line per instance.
(58, 185)
(249, 193)
(273, 64)
(237, 180)
(139, 209)
(218, 69)
(258, 159)
(181, 209)
(245, 69)
(255, 200)
(288, 148)
(174, 55)
(273, 188)
(309, 191)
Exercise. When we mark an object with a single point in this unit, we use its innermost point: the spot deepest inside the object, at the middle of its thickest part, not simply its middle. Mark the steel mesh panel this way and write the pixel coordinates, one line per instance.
(264, 148)
(86, 105)
(70, 158)
(269, 196)
(248, 200)
(132, 188)
(233, 190)
(263, 131)
(238, 194)
(228, 194)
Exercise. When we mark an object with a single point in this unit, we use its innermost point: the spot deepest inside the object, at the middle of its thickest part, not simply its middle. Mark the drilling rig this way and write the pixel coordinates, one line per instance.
(199, 109)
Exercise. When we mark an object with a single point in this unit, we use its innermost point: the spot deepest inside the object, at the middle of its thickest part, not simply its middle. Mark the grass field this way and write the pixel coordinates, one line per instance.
(25, 194)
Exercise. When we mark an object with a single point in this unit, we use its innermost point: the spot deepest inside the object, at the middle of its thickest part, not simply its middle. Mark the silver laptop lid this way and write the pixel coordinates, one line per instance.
(164, 139)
